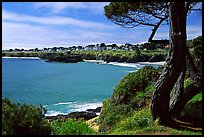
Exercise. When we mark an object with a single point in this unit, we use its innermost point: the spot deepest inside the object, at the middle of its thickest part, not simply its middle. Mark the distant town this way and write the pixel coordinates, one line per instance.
(156, 44)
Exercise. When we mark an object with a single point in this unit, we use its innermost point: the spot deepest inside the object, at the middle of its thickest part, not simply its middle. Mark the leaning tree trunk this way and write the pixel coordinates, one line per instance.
(180, 95)
(175, 63)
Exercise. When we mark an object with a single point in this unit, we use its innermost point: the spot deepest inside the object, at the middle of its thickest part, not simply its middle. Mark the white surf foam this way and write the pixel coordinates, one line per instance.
(85, 106)
(134, 65)
(23, 57)
(54, 113)
(68, 107)
(63, 103)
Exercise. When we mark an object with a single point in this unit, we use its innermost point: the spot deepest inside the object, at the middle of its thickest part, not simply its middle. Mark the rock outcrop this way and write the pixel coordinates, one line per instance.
(86, 115)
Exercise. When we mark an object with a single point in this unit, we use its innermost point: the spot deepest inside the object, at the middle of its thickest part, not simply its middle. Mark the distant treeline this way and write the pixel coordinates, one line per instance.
(109, 56)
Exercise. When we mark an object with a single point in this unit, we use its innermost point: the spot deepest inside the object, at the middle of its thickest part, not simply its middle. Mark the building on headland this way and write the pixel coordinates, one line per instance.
(160, 43)
(154, 44)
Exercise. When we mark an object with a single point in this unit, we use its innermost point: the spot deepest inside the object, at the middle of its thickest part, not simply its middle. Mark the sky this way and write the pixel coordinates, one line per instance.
(63, 24)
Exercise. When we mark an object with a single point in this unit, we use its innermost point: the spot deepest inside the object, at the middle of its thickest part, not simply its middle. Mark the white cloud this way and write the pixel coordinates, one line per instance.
(53, 20)
(21, 35)
(193, 31)
(58, 7)
(28, 31)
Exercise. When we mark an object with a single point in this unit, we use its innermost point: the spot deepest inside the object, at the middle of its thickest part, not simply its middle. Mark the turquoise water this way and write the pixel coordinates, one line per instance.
(60, 87)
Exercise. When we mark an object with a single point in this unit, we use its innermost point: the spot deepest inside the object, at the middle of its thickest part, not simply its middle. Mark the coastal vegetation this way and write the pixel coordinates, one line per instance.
(24, 119)
(109, 56)
(128, 111)
(129, 95)
(71, 127)
(61, 57)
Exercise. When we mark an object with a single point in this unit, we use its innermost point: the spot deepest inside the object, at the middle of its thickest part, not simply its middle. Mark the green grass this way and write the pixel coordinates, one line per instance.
(136, 89)
(140, 123)
(71, 127)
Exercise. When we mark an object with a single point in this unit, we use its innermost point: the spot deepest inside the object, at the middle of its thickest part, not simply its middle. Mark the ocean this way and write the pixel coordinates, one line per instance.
(61, 87)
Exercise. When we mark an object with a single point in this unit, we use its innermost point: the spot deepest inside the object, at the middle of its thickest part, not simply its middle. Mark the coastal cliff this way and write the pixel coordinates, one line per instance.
(80, 56)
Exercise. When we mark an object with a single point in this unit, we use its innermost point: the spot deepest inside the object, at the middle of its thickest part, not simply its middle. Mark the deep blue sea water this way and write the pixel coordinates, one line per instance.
(60, 87)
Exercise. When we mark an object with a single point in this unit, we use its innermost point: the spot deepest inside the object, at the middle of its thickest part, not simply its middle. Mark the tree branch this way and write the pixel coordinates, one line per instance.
(155, 29)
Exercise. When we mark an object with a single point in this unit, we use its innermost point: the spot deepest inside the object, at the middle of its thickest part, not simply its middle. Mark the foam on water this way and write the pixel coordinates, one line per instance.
(22, 57)
(64, 108)
(54, 113)
(134, 65)
(85, 106)
(63, 103)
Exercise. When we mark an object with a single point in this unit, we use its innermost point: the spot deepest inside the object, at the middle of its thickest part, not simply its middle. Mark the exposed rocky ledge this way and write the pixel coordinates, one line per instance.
(142, 58)
(86, 115)
(65, 58)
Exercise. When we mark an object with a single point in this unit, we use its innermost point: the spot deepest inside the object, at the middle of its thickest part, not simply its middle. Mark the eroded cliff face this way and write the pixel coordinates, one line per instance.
(108, 58)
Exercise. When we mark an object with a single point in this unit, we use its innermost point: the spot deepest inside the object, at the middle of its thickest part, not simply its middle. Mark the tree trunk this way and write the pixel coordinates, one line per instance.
(188, 93)
(177, 94)
(175, 63)
(180, 95)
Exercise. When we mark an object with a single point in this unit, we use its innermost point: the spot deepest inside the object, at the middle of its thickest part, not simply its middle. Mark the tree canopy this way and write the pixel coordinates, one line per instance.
(133, 14)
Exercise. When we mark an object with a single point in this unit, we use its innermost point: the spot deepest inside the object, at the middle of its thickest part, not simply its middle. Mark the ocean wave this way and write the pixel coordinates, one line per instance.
(54, 113)
(23, 57)
(85, 106)
(130, 71)
(134, 65)
(65, 108)
(63, 103)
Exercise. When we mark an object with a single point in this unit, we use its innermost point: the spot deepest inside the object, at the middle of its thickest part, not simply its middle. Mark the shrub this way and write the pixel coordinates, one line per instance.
(138, 120)
(136, 82)
(193, 108)
(71, 127)
(22, 119)
(131, 93)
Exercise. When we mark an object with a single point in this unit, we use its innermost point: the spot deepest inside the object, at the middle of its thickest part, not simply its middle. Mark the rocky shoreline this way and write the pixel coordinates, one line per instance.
(80, 57)
(86, 115)
(125, 59)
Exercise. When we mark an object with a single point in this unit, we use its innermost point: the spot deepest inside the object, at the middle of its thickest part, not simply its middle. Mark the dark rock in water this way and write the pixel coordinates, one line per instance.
(83, 114)
(57, 117)
(98, 109)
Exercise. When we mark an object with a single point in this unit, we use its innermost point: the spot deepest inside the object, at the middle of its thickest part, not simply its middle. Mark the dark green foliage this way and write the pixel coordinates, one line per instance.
(132, 14)
(149, 46)
(3, 54)
(132, 93)
(193, 109)
(71, 127)
(22, 120)
(61, 57)
(196, 52)
(136, 81)
(195, 42)
(20, 54)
